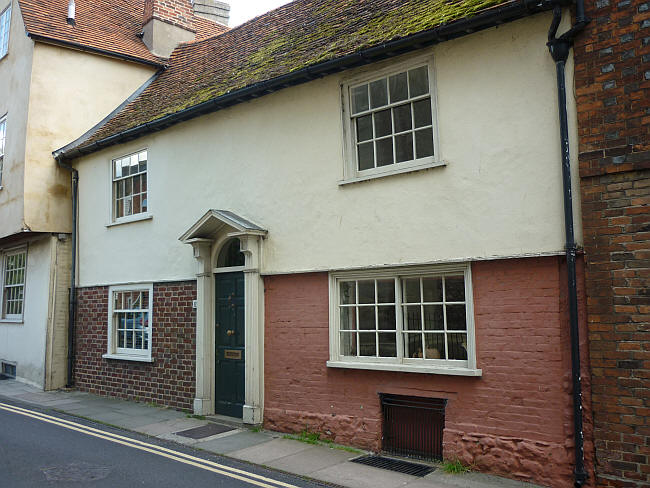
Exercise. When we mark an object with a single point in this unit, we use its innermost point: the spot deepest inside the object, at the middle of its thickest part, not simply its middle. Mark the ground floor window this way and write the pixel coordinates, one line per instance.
(129, 321)
(417, 316)
(14, 265)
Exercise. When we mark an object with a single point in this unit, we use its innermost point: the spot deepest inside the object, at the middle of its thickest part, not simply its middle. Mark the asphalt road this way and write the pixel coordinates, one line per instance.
(40, 448)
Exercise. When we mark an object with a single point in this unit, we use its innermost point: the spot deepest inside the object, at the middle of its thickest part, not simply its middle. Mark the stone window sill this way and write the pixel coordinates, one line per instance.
(13, 322)
(125, 357)
(130, 219)
(393, 171)
(406, 368)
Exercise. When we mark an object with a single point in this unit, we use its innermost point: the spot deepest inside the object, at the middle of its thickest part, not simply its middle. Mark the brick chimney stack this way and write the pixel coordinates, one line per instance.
(166, 24)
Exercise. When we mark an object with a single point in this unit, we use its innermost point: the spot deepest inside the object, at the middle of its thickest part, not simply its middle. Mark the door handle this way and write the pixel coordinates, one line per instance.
(230, 332)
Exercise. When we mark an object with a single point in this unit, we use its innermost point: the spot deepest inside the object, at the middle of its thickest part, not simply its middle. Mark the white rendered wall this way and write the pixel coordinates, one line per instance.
(278, 160)
(24, 343)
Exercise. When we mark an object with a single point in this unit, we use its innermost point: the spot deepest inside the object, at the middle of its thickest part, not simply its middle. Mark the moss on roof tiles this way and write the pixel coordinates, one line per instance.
(298, 35)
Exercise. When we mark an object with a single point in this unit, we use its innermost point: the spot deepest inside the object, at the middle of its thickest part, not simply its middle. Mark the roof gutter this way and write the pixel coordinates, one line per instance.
(94, 50)
(491, 18)
(559, 48)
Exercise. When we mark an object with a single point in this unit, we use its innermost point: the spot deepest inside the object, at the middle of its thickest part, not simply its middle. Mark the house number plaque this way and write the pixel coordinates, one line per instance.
(232, 354)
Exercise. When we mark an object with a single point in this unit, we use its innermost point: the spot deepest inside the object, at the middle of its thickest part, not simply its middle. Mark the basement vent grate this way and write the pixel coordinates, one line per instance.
(396, 465)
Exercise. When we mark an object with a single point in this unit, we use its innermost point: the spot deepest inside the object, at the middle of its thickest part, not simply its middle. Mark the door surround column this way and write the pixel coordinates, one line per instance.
(251, 246)
(204, 395)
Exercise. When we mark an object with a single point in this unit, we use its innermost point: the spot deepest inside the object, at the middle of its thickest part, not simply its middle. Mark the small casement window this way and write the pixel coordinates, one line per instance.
(414, 318)
(5, 21)
(391, 121)
(130, 327)
(3, 134)
(13, 284)
(130, 185)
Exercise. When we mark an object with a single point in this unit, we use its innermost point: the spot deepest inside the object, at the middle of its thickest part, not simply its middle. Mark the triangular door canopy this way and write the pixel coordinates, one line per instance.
(216, 222)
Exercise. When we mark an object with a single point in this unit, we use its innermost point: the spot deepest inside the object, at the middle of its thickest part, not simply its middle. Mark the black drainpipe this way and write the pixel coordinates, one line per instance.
(559, 48)
(72, 299)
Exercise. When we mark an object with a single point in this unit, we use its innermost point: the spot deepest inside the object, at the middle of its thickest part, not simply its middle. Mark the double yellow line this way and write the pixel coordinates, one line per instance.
(238, 474)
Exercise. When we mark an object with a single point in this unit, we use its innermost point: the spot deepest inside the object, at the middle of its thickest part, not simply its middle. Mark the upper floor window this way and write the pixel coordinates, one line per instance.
(13, 284)
(5, 21)
(3, 133)
(404, 320)
(130, 185)
(391, 121)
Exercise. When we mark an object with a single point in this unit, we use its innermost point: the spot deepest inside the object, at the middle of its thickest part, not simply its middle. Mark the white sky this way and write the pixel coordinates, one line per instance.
(243, 10)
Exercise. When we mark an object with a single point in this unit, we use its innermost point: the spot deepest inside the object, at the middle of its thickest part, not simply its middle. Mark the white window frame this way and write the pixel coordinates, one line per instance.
(4, 50)
(351, 174)
(113, 219)
(17, 318)
(114, 352)
(3, 144)
(414, 365)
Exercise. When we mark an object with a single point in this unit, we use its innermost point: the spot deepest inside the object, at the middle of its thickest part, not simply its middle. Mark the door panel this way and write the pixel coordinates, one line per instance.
(230, 352)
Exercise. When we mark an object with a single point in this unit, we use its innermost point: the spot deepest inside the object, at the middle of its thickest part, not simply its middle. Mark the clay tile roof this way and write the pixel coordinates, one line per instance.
(267, 49)
(106, 25)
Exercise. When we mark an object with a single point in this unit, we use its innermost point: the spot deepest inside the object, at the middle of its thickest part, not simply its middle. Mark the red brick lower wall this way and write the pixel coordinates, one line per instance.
(516, 420)
(170, 379)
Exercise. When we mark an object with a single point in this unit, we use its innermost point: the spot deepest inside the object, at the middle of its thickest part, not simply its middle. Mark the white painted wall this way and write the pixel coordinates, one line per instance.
(277, 161)
(24, 343)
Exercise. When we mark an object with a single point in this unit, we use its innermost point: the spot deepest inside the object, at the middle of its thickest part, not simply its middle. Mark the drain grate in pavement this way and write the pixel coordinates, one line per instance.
(205, 431)
(395, 465)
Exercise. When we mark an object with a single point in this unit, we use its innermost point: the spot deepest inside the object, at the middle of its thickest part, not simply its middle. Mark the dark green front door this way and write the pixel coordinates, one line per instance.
(229, 374)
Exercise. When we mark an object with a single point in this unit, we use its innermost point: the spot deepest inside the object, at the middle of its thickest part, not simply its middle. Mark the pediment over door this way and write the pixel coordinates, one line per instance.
(219, 222)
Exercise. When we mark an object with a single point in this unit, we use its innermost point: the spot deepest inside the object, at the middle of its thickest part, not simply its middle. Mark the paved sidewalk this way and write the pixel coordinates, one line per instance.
(265, 448)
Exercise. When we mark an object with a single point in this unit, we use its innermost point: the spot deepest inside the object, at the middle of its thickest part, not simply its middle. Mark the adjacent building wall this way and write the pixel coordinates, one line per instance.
(516, 420)
(613, 87)
(278, 160)
(15, 74)
(70, 92)
(24, 343)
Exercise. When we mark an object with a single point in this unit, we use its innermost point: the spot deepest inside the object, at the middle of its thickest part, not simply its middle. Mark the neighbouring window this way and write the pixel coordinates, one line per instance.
(130, 185)
(130, 312)
(403, 317)
(391, 121)
(13, 284)
(3, 133)
(5, 21)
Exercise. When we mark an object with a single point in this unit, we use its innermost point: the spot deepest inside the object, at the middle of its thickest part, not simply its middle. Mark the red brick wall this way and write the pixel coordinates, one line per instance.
(612, 83)
(175, 12)
(515, 421)
(170, 379)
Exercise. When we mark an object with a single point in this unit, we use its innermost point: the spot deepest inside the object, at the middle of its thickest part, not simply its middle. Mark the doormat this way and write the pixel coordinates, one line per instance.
(205, 431)
(395, 465)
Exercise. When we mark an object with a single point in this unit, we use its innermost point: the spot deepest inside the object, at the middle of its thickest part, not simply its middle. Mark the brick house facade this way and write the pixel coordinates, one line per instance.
(388, 281)
(612, 85)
